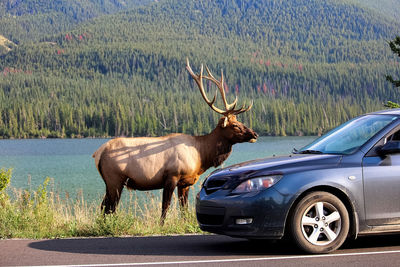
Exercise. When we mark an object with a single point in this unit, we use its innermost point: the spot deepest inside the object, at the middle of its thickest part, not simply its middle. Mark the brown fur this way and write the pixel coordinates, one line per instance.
(176, 160)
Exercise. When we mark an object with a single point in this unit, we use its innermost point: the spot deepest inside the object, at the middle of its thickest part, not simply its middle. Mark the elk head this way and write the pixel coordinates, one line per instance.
(231, 129)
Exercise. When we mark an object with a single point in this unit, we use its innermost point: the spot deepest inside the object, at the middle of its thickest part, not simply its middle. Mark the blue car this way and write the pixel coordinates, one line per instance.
(343, 185)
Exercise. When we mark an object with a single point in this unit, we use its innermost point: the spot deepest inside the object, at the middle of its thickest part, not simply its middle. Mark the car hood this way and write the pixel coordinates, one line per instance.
(278, 165)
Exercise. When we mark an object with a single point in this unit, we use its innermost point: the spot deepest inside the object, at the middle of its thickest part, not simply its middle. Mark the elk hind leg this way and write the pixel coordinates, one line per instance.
(112, 196)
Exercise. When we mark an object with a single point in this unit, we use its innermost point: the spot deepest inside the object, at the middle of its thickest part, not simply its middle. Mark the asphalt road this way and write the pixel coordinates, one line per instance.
(195, 250)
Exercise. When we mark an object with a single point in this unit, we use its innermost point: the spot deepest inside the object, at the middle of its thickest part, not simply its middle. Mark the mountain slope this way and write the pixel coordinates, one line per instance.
(389, 8)
(29, 20)
(313, 30)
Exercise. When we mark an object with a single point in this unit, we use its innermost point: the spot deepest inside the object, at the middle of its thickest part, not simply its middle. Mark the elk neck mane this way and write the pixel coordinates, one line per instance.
(213, 148)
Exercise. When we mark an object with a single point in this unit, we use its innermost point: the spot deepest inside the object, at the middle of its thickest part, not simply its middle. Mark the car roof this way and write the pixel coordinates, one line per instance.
(393, 111)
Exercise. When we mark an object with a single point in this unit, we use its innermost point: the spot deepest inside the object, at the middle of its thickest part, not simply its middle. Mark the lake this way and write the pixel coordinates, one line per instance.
(70, 164)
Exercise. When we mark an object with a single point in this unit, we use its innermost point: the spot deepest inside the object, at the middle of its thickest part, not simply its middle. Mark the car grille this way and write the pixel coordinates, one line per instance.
(210, 219)
(214, 184)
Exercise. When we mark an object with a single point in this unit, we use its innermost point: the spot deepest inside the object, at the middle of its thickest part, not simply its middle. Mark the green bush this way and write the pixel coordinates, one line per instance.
(5, 177)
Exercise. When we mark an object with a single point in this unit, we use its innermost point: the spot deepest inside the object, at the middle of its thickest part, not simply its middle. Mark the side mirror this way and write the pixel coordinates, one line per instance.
(392, 147)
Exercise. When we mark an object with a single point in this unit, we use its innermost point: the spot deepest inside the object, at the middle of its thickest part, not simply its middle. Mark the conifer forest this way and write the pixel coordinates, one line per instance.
(117, 68)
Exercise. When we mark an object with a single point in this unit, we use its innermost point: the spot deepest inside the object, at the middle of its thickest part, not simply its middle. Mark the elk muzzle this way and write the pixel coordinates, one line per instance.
(253, 135)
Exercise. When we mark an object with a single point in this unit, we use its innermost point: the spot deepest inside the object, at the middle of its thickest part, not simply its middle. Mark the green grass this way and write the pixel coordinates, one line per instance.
(43, 214)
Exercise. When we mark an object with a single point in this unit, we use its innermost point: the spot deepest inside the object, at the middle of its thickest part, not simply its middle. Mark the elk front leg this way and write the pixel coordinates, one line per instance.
(168, 190)
(183, 193)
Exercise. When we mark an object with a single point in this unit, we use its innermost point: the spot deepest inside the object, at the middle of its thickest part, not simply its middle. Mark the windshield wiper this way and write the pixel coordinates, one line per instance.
(309, 151)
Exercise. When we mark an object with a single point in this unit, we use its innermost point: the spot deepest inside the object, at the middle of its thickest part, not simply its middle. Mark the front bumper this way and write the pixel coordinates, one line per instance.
(218, 213)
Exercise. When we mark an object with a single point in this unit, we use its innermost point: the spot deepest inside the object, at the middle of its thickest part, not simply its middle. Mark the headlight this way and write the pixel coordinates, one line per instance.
(257, 184)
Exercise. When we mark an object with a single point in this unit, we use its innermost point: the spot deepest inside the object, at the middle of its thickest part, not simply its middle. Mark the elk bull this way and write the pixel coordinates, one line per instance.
(175, 160)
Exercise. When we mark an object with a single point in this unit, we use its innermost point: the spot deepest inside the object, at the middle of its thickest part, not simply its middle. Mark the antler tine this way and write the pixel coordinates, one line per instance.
(220, 85)
(199, 81)
(229, 108)
(242, 109)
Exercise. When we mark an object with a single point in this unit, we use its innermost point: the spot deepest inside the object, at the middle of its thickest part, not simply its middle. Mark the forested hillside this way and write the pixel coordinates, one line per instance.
(27, 20)
(307, 64)
(388, 8)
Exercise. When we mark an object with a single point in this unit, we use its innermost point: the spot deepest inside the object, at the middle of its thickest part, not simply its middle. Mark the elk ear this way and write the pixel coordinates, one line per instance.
(225, 122)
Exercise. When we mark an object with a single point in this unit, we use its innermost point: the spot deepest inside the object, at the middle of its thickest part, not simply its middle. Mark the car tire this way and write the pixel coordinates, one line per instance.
(319, 223)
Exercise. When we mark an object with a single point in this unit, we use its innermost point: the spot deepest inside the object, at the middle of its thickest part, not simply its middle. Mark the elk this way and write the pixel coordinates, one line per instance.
(175, 160)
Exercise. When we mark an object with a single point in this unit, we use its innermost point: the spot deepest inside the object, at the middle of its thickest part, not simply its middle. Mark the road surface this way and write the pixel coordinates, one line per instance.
(193, 250)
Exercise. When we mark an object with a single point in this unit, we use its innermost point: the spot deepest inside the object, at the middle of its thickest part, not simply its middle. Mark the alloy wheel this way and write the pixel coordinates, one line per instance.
(321, 223)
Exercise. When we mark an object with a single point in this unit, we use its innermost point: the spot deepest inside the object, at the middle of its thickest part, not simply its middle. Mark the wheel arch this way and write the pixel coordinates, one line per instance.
(353, 231)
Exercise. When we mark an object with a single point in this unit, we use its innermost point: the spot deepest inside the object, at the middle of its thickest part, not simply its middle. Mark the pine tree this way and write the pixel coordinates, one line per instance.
(395, 47)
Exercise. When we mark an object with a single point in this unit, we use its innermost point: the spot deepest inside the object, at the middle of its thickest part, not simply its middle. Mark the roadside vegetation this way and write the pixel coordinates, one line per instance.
(40, 213)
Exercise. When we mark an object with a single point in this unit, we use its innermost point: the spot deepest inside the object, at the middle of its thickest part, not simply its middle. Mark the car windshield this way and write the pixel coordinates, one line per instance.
(350, 136)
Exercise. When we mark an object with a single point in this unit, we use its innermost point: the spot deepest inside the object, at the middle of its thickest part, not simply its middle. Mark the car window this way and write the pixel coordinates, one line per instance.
(390, 137)
(394, 137)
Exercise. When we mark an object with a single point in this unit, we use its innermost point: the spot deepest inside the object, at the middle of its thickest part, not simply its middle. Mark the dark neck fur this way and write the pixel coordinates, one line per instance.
(214, 149)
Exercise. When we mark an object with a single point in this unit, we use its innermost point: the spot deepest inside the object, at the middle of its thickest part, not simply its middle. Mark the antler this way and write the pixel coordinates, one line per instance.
(229, 108)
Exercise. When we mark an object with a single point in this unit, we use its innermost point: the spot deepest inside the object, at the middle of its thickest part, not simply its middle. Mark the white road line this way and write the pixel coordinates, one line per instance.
(227, 260)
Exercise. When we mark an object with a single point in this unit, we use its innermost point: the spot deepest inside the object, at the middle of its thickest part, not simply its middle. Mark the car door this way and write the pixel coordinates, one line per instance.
(381, 176)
